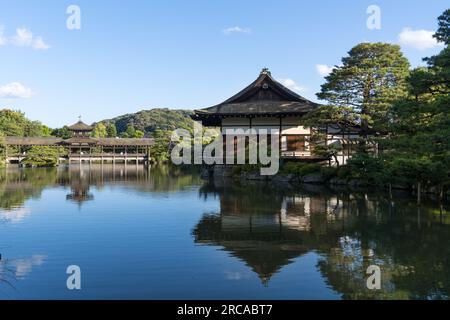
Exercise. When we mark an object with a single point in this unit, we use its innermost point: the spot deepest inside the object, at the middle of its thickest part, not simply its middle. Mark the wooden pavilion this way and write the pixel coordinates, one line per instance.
(267, 104)
(81, 147)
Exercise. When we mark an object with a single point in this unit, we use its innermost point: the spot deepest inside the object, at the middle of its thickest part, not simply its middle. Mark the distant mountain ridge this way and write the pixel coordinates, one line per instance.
(153, 119)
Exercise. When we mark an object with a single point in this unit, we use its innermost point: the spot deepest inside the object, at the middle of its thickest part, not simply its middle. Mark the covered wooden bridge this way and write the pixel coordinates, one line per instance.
(81, 147)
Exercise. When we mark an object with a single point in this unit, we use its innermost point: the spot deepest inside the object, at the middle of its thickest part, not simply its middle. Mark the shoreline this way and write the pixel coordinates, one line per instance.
(226, 172)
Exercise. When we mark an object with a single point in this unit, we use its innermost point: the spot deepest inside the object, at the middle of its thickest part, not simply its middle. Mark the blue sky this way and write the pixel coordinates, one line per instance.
(134, 55)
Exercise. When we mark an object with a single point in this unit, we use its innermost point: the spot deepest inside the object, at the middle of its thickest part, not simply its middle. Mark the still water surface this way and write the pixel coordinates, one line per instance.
(167, 234)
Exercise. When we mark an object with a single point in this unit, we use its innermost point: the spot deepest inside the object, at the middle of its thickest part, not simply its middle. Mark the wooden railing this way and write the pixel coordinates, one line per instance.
(108, 155)
(296, 154)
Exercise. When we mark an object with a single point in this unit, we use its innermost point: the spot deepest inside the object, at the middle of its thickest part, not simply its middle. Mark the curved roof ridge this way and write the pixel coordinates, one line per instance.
(80, 126)
(266, 77)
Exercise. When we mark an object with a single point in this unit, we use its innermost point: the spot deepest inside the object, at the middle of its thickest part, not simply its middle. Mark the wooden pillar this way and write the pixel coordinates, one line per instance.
(279, 138)
(149, 156)
(6, 154)
(125, 161)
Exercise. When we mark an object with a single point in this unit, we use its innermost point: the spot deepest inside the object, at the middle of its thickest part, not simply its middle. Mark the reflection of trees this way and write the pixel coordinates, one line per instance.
(16, 186)
(7, 274)
(267, 227)
(16, 269)
(412, 252)
(20, 184)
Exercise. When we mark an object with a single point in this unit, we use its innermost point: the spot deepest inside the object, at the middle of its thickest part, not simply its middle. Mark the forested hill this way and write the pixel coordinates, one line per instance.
(155, 119)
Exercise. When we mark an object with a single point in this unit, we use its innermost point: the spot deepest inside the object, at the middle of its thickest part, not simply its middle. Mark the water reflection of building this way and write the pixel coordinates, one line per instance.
(80, 192)
(266, 229)
(296, 210)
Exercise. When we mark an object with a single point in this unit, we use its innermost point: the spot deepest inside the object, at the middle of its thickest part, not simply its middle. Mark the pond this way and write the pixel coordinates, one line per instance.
(163, 233)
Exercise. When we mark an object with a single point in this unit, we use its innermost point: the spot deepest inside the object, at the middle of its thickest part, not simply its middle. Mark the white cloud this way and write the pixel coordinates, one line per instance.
(236, 275)
(323, 69)
(14, 215)
(25, 266)
(15, 90)
(3, 39)
(39, 44)
(292, 85)
(25, 38)
(418, 39)
(236, 29)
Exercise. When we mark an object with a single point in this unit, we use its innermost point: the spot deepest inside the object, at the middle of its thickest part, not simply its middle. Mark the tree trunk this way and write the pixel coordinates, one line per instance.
(336, 159)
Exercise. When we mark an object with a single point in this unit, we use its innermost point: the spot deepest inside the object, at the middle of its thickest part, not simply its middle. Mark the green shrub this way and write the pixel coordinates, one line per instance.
(300, 168)
(309, 168)
(250, 167)
(329, 172)
(289, 168)
(366, 167)
(236, 170)
(344, 172)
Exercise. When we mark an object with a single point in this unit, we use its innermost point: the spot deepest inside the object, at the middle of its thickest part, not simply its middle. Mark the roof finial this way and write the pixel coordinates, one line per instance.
(265, 71)
(79, 118)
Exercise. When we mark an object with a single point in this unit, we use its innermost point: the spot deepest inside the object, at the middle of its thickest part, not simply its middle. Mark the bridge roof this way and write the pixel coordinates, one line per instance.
(54, 141)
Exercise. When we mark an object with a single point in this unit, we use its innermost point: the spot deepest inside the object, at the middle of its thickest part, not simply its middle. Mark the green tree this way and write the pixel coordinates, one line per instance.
(151, 120)
(323, 150)
(41, 156)
(111, 130)
(99, 131)
(129, 133)
(46, 131)
(420, 135)
(371, 78)
(63, 132)
(33, 129)
(443, 32)
(139, 134)
(14, 123)
(160, 149)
